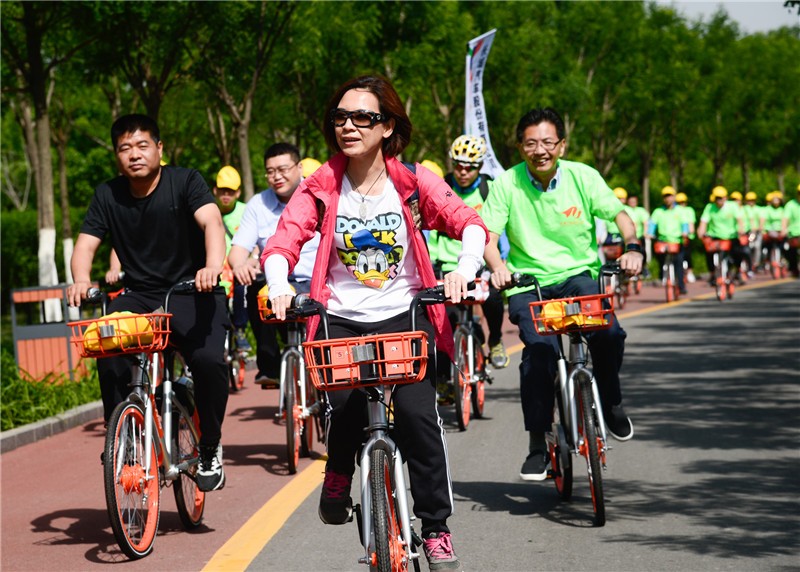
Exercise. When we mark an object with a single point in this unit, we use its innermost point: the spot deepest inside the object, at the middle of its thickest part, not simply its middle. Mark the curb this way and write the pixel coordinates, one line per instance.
(32, 432)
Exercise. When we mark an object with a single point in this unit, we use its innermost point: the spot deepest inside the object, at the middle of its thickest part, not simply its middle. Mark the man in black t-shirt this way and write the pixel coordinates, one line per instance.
(165, 227)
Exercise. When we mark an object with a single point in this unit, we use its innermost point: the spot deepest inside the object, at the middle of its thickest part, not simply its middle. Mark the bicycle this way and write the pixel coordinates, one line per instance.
(619, 287)
(468, 372)
(152, 437)
(669, 250)
(235, 358)
(299, 402)
(774, 243)
(724, 270)
(578, 424)
(372, 364)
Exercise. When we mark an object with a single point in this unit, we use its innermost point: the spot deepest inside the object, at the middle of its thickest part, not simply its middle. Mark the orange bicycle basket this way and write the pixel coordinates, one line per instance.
(580, 313)
(667, 247)
(716, 244)
(612, 251)
(121, 333)
(378, 359)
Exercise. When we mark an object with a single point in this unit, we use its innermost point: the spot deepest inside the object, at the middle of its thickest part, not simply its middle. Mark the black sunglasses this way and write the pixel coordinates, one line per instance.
(359, 117)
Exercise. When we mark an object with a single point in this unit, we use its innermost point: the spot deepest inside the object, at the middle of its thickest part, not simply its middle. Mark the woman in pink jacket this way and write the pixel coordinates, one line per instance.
(371, 261)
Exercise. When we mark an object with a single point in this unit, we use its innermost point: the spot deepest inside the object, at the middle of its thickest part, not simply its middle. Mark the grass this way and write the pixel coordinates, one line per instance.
(23, 401)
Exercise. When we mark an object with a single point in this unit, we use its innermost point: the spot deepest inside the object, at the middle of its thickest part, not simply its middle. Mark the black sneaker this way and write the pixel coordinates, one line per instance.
(335, 504)
(618, 424)
(535, 466)
(210, 474)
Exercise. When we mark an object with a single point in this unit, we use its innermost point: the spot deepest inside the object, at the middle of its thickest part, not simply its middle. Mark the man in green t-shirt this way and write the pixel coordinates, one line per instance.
(668, 224)
(753, 215)
(722, 220)
(690, 218)
(227, 190)
(791, 229)
(547, 207)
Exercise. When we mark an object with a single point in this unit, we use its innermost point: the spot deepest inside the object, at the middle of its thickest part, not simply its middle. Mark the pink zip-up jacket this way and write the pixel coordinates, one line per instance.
(440, 207)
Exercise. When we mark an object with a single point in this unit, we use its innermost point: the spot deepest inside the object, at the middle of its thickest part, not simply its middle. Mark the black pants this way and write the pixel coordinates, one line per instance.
(268, 350)
(540, 355)
(198, 324)
(418, 429)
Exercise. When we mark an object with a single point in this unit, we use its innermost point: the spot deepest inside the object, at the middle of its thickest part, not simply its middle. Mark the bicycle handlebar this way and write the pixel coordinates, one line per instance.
(520, 280)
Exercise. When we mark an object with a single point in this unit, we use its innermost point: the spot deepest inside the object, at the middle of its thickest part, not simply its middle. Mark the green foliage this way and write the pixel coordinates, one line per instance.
(29, 401)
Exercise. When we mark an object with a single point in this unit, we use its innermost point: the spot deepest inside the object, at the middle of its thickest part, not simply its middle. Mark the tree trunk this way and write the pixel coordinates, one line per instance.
(66, 224)
(243, 135)
(745, 176)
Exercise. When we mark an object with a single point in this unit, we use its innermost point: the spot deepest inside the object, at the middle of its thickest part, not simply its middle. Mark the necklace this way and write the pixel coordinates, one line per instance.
(362, 208)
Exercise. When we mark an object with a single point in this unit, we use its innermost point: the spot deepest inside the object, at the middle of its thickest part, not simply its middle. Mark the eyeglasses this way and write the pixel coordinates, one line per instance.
(547, 145)
(226, 191)
(458, 165)
(282, 171)
(360, 118)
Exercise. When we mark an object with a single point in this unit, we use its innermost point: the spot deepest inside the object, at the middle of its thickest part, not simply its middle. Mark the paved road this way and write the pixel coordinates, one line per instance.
(708, 483)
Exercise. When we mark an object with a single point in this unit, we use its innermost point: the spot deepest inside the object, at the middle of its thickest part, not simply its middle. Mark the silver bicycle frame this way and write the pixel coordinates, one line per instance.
(578, 373)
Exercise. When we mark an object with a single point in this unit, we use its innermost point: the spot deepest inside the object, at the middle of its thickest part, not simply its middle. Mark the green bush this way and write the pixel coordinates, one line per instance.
(26, 401)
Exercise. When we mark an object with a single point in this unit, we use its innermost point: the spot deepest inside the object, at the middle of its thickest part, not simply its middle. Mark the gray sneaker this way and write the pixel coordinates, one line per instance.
(210, 474)
(498, 355)
(438, 548)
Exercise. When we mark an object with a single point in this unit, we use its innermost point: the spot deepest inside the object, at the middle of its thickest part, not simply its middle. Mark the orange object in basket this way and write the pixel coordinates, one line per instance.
(121, 333)
(583, 313)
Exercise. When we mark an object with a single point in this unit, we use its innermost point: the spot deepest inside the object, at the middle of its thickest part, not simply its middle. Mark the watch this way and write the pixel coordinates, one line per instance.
(635, 247)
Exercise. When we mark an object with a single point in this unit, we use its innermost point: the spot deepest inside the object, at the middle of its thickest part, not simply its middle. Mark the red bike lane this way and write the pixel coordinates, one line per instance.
(51, 491)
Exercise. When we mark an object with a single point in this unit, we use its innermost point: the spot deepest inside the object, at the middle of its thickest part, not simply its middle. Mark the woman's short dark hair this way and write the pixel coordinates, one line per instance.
(132, 123)
(537, 116)
(389, 104)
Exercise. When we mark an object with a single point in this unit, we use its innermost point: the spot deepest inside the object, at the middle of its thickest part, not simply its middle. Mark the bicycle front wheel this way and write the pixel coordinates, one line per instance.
(291, 410)
(591, 451)
(461, 381)
(307, 428)
(479, 386)
(389, 553)
(133, 493)
(190, 500)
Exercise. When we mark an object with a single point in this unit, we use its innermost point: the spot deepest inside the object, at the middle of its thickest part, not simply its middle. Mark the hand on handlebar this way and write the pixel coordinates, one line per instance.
(246, 273)
(280, 304)
(455, 287)
(206, 279)
(502, 278)
(76, 292)
(631, 262)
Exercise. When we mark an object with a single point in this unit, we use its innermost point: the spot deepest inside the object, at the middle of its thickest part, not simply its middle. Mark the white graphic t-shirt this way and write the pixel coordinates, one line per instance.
(373, 274)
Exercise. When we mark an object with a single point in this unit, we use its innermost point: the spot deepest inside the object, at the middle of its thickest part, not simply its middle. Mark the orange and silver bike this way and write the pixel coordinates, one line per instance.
(299, 404)
(373, 364)
(152, 437)
(669, 250)
(578, 428)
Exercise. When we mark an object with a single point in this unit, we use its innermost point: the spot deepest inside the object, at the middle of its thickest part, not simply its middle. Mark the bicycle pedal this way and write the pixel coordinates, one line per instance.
(315, 409)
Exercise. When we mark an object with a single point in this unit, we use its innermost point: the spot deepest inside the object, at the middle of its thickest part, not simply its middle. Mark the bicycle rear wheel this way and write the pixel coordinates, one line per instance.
(291, 410)
(133, 493)
(591, 451)
(190, 500)
(461, 384)
(479, 386)
(389, 552)
(307, 429)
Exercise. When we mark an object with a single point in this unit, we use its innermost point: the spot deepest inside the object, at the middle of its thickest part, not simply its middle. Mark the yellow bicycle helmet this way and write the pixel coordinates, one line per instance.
(681, 198)
(621, 193)
(719, 192)
(751, 196)
(736, 195)
(468, 149)
(668, 190)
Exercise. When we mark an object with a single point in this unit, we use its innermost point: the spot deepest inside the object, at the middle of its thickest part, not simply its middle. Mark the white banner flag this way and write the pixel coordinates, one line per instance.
(475, 120)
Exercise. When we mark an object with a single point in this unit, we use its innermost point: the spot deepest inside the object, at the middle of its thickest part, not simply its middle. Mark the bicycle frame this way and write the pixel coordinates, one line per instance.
(296, 334)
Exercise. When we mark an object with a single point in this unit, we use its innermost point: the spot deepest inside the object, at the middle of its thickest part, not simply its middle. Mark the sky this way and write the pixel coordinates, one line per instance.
(751, 16)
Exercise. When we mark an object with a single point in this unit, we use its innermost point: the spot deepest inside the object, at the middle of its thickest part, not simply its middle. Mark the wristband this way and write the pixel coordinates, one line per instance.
(634, 247)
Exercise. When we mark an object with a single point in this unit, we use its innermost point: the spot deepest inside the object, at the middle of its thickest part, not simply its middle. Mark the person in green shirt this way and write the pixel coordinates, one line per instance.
(668, 224)
(227, 190)
(722, 220)
(753, 215)
(747, 259)
(791, 229)
(774, 235)
(472, 186)
(547, 207)
(690, 218)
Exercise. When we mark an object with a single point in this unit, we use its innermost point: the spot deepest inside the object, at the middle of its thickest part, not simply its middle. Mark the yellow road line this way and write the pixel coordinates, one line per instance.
(242, 548)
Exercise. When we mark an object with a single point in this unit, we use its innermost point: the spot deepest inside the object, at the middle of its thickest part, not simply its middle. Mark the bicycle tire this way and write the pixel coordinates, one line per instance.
(461, 384)
(307, 429)
(133, 496)
(479, 387)
(292, 415)
(389, 554)
(237, 372)
(719, 278)
(559, 453)
(591, 451)
(189, 499)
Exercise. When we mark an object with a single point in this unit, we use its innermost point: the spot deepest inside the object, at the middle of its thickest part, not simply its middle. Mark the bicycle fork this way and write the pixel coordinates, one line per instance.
(577, 375)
